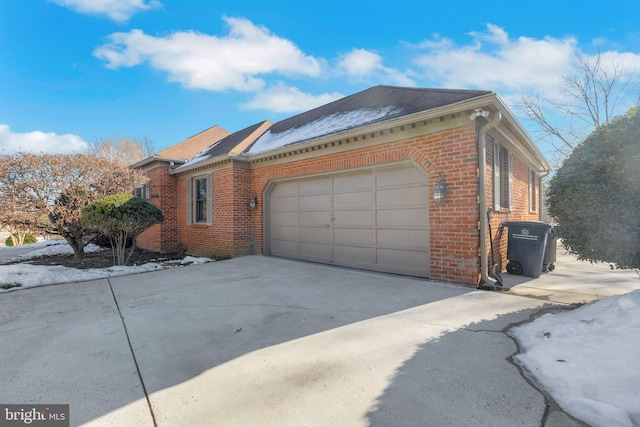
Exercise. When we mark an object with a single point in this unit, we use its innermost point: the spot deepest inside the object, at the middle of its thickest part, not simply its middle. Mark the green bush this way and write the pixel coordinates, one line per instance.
(121, 217)
(28, 239)
(595, 195)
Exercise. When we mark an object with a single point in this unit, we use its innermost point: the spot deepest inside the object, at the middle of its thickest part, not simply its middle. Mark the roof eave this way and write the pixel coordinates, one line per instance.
(408, 119)
(152, 159)
(532, 149)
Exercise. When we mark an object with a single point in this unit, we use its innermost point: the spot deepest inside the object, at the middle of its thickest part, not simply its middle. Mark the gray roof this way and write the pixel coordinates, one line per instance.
(377, 104)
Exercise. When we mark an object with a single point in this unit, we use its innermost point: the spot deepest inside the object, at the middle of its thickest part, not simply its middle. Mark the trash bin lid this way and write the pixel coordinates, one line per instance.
(527, 224)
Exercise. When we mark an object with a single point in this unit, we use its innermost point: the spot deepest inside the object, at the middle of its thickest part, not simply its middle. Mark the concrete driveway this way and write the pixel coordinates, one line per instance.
(270, 342)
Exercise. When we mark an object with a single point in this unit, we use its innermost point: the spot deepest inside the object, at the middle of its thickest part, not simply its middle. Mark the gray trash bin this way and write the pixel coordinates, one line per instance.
(550, 252)
(526, 247)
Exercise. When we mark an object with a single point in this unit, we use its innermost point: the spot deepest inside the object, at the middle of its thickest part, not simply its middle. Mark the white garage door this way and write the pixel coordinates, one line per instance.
(375, 219)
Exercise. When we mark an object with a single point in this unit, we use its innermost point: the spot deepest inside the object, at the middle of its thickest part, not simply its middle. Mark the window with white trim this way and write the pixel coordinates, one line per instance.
(534, 191)
(502, 178)
(142, 191)
(199, 200)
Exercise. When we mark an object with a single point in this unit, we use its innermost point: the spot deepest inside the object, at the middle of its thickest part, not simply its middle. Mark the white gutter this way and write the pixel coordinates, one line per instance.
(482, 166)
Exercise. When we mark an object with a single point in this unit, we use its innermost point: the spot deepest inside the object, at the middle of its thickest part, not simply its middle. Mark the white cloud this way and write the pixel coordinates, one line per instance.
(38, 141)
(494, 61)
(286, 99)
(362, 64)
(118, 10)
(202, 61)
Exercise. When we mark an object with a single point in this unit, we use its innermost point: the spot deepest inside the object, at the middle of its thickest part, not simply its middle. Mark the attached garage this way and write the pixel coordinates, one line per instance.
(350, 183)
(375, 219)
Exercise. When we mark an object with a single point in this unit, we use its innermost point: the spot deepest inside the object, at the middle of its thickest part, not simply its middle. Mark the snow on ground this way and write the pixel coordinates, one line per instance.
(14, 277)
(587, 359)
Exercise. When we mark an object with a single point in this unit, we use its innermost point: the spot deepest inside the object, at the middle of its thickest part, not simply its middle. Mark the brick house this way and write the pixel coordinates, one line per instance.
(359, 182)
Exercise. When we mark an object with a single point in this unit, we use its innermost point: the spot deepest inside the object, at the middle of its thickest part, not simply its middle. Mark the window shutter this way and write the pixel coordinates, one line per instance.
(496, 176)
(189, 202)
(510, 186)
(209, 200)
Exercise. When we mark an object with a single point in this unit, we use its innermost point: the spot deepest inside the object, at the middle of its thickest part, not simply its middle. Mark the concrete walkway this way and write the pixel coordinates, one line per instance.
(271, 342)
(574, 282)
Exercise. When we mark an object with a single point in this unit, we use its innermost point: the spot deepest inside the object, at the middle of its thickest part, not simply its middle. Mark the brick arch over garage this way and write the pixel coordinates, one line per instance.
(452, 154)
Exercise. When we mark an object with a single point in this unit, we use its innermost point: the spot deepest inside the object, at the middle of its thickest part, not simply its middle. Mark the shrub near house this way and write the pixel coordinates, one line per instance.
(595, 196)
(121, 217)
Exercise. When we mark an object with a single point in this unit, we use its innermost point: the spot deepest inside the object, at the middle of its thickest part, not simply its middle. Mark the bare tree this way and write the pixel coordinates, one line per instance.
(122, 151)
(47, 192)
(587, 98)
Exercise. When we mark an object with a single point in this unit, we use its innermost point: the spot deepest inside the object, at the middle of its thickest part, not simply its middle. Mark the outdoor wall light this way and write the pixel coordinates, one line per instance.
(253, 203)
(440, 191)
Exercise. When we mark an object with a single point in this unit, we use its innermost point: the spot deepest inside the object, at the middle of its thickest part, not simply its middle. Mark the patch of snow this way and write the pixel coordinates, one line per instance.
(587, 359)
(30, 276)
(195, 260)
(326, 125)
(61, 248)
(197, 159)
(24, 275)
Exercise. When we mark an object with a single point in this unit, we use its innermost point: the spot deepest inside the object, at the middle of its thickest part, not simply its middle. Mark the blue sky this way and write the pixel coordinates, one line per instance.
(73, 71)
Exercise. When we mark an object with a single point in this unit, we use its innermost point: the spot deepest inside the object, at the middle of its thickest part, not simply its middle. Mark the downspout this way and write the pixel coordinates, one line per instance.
(482, 166)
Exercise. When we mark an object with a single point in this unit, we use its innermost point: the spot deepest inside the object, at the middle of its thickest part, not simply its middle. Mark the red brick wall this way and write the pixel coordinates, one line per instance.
(162, 190)
(230, 234)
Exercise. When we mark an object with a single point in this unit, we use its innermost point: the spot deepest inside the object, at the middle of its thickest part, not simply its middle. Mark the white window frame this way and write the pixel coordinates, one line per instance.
(500, 193)
(192, 200)
(534, 191)
(143, 191)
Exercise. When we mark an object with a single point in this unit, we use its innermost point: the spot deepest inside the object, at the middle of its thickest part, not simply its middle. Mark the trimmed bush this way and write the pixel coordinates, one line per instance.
(121, 217)
(595, 195)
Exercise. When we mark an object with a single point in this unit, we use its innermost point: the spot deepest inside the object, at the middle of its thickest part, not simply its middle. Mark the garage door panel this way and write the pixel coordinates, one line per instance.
(349, 255)
(405, 238)
(364, 236)
(284, 232)
(284, 189)
(403, 196)
(316, 251)
(403, 217)
(315, 234)
(284, 248)
(321, 201)
(353, 181)
(404, 258)
(354, 199)
(315, 218)
(284, 218)
(279, 204)
(360, 218)
(317, 185)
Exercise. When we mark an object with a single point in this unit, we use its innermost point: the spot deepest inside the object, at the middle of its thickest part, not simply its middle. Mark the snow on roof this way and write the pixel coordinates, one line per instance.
(332, 123)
